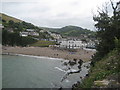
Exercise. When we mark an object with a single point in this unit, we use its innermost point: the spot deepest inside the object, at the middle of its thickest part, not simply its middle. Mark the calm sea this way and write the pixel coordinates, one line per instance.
(36, 72)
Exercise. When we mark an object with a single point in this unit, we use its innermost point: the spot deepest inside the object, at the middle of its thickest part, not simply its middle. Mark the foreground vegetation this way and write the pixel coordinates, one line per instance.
(109, 65)
(106, 62)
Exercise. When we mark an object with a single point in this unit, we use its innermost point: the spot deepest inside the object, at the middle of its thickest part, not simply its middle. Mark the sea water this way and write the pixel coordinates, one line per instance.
(35, 72)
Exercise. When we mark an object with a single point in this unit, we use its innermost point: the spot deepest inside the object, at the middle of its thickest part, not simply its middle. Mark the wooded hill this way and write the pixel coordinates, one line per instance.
(67, 31)
(12, 28)
(72, 31)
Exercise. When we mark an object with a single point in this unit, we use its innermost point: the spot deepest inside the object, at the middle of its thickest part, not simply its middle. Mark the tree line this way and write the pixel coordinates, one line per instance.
(14, 39)
(18, 26)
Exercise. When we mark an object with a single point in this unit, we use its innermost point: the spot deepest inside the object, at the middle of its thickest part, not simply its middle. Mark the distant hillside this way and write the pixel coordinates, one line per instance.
(14, 23)
(11, 32)
(8, 18)
(72, 31)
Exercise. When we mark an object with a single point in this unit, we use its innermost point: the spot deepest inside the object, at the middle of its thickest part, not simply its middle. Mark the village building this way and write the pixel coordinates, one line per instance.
(24, 34)
(30, 30)
(90, 44)
(33, 33)
(56, 36)
(1, 26)
(73, 44)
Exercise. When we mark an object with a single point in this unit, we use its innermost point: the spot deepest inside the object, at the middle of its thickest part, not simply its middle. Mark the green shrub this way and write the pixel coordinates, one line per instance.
(117, 43)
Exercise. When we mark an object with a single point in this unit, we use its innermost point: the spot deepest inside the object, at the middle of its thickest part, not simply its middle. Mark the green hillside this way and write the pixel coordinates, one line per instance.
(0, 22)
(72, 31)
(13, 27)
(8, 18)
(107, 69)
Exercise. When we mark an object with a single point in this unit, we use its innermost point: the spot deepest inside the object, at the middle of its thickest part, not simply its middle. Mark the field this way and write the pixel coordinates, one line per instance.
(43, 43)
(7, 18)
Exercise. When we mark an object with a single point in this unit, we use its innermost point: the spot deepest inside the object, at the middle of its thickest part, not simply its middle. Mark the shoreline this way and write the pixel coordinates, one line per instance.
(71, 71)
(13, 54)
(49, 52)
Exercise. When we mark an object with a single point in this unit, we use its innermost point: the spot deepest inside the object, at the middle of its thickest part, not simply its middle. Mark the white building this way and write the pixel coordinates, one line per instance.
(72, 44)
(33, 33)
(24, 34)
(1, 26)
(56, 36)
(90, 44)
(30, 30)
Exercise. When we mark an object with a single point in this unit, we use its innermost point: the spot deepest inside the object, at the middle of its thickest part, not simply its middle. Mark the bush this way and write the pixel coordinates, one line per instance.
(117, 43)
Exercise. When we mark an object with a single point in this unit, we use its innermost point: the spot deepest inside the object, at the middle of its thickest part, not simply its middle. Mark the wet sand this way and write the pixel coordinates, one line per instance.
(49, 52)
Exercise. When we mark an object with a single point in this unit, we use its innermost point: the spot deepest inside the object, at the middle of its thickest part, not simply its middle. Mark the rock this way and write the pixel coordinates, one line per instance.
(87, 75)
(92, 63)
(75, 85)
(65, 63)
(87, 67)
(71, 63)
(80, 62)
(79, 66)
(75, 59)
(60, 88)
(80, 77)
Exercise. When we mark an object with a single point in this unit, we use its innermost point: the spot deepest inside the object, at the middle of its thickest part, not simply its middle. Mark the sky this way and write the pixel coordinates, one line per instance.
(54, 13)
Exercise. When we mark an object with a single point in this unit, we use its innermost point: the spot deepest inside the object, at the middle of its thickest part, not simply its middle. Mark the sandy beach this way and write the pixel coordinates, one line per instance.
(49, 52)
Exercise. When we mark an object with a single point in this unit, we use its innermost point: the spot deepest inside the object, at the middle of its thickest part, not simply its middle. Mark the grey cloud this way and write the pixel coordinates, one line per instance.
(43, 14)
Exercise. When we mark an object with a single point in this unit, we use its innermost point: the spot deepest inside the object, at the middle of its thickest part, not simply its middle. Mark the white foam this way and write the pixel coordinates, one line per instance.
(60, 69)
(71, 70)
(67, 80)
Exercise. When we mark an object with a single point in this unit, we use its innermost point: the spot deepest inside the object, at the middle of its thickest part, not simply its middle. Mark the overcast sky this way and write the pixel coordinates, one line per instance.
(54, 13)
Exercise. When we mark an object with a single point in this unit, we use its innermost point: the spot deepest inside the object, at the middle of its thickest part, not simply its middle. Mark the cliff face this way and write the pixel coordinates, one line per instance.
(105, 73)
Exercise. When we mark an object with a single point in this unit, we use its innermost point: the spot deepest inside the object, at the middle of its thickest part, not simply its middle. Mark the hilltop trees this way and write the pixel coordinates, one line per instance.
(108, 27)
(14, 39)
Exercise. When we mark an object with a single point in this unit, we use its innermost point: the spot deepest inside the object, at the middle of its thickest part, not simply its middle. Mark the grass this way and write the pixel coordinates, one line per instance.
(44, 43)
(107, 66)
(7, 18)
(0, 22)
